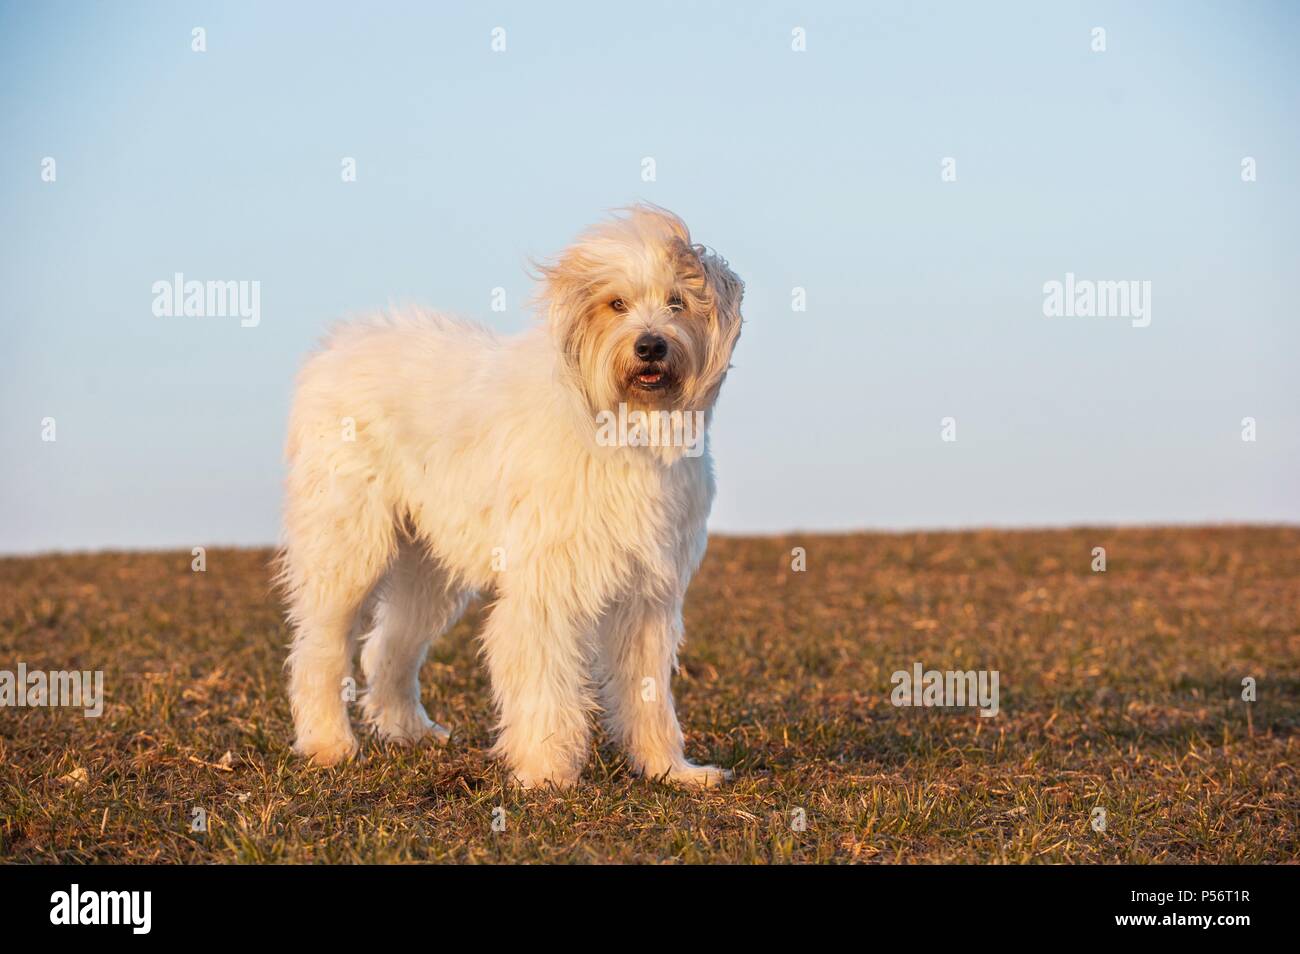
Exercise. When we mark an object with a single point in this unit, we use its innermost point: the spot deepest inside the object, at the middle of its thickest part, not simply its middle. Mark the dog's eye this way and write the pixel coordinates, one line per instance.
(618, 305)
(675, 303)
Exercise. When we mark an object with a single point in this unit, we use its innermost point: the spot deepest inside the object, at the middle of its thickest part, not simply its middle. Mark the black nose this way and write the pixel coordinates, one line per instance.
(651, 347)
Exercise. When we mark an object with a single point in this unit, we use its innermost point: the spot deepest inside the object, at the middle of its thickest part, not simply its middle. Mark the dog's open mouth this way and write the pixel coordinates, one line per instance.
(651, 377)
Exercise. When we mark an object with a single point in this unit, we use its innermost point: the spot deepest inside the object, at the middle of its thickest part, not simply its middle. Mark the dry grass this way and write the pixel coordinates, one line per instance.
(1119, 689)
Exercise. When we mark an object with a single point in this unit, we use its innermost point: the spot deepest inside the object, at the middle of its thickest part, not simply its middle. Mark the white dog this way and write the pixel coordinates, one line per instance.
(430, 459)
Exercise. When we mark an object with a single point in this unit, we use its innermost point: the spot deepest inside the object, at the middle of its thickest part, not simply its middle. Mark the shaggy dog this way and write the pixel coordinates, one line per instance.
(430, 459)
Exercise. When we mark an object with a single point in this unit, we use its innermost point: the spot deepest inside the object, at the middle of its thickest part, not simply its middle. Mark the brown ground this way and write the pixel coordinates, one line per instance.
(1119, 690)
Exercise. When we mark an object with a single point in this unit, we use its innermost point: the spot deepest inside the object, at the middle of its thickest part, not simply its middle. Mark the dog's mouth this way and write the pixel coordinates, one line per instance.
(652, 376)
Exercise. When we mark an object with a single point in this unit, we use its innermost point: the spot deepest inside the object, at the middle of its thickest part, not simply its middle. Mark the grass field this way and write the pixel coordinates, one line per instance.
(1120, 690)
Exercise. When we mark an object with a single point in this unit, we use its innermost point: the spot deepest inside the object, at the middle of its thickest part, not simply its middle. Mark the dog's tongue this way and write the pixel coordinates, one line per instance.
(651, 378)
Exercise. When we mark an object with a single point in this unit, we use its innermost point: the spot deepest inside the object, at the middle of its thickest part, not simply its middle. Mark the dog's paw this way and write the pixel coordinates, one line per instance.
(325, 752)
(404, 725)
(699, 776)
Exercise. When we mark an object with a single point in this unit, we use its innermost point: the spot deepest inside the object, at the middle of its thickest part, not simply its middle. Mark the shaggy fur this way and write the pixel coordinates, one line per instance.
(430, 459)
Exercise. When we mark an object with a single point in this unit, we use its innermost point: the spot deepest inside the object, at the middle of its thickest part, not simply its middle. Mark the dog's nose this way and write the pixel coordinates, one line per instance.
(651, 347)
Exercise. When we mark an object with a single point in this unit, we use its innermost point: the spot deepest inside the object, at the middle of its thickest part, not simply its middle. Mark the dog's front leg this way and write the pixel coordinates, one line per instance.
(538, 659)
(638, 647)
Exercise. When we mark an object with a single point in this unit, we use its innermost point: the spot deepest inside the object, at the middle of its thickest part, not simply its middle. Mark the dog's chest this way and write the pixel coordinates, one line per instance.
(653, 515)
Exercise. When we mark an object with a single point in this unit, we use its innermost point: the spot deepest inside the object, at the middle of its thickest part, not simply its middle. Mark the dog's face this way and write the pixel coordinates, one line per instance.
(643, 316)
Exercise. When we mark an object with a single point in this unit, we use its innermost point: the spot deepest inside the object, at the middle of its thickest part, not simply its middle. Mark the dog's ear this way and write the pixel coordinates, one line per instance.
(726, 287)
(561, 297)
(726, 291)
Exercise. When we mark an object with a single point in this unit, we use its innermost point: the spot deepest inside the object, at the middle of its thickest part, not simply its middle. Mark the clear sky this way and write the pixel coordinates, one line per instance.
(820, 169)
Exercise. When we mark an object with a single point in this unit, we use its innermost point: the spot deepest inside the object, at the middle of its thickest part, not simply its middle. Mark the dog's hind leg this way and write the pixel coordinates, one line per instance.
(339, 542)
(417, 603)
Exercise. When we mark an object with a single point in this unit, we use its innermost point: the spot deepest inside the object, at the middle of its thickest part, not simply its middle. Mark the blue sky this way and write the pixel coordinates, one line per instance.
(818, 169)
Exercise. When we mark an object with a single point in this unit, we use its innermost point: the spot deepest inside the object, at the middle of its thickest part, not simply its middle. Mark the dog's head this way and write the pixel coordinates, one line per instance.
(643, 316)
